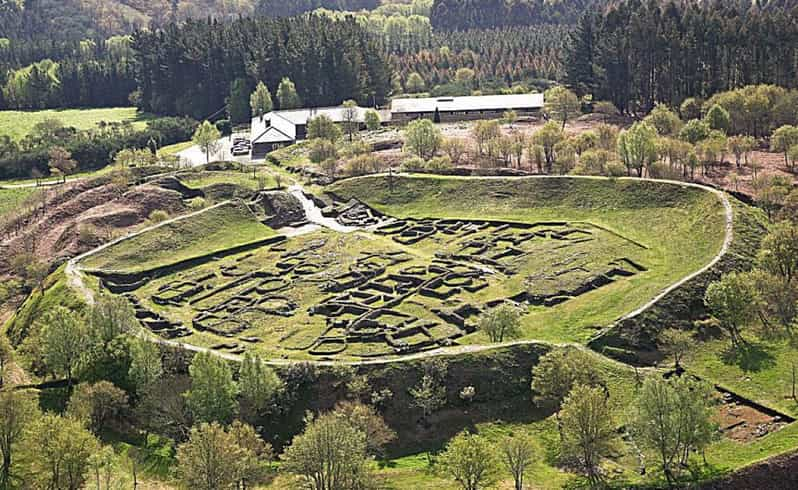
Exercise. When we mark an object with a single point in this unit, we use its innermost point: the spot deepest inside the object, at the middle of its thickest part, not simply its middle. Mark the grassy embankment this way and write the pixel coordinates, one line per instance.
(217, 229)
(682, 228)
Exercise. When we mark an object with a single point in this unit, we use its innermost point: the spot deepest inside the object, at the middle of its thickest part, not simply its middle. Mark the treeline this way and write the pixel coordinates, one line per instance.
(638, 54)
(485, 14)
(189, 69)
(281, 8)
(87, 74)
(90, 149)
(498, 58)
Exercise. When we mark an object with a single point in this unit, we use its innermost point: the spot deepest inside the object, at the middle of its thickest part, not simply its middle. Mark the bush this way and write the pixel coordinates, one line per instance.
(321, 150)
(361, 165)
(224, 126)
(439, 163)
(615, 169)
(197, 203)
(158, 216)
(413, 164)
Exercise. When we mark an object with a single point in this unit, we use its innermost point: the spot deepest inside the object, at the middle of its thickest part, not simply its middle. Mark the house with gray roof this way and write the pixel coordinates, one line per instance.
(282, 128)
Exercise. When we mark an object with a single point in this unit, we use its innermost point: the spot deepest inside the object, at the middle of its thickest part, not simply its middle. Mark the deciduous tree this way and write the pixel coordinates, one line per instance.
(587, 428)
(732, 300)
(517, 453)
(561, 104)
(207, 138)
(213, 391)
(422, 138)
(501, 322)
(260, 101)
(470, 460)
(331, 454)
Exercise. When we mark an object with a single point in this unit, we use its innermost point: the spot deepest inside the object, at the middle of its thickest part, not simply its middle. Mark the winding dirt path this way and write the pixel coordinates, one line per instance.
(75, 280)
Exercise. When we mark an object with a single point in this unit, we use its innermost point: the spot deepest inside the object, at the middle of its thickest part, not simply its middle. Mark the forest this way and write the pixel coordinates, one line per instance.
(189, 69)
(637, 54)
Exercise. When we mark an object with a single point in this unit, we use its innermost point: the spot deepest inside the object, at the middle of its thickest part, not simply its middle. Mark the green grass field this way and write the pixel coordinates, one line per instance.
(217, 229)
(10, 199)
(18, 124)
(682, 228)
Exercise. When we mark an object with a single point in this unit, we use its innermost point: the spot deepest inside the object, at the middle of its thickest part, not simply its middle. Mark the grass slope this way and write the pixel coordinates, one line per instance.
(217, 229)
(683, 228)
(11, 199)
(18, 124)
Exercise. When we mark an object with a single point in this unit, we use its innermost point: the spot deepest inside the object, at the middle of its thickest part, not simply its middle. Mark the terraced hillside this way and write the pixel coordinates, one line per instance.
(418, 265)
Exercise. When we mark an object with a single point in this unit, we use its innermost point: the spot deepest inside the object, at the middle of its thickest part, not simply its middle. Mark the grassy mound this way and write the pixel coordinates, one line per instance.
(219, 228)
(681, 228)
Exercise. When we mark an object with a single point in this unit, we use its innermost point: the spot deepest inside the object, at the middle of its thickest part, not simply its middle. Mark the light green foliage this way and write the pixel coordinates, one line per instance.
(558, 372)
(213, 391)
(510, 117)
(207, 138)
(63, 340)
(783, 139)
(694, 131)
(673, 418)
(287, 95)
(366, 419)
(329, 455)
(470, 460)
(134, 158)
(19, 124)
(547, 137)
(561, 104)
(323, 127)
(690, 109)
(372, 120)
(96, 404)
(215, 458)
(322, 150)
(732, 300)
(110, 316)
(259, 384)
(57, 451)
(779, 253)
(664, 120)
(18, 409)
(350, 119)
(414, 84)
(484, 133)
(637, 147)
(588, 429)
(422, 138)
(517, 454)
(718, 118)
(501, 322)
(146, 367)
(741, 147)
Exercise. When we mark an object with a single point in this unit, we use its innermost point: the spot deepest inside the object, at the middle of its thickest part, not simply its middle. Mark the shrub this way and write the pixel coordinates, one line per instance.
(321, 150)
(361, 165)
(439, 163)
(158, 216)
(413, 164)
(224, 126)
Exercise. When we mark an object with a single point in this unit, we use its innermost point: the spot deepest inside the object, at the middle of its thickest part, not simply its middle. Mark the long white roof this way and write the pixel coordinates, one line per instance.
(468, 103)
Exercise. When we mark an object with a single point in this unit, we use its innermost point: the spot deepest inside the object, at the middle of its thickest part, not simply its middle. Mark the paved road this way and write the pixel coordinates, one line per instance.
(75, 280)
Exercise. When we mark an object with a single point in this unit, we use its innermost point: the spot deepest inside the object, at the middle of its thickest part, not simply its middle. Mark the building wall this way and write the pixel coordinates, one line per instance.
(400, 118)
